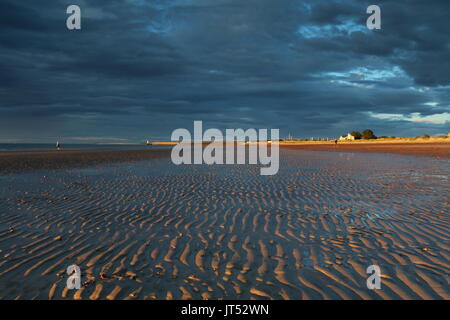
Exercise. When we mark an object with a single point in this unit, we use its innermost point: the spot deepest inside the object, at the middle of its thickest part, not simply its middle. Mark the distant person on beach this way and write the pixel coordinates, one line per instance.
(335, 141)
(58, 146)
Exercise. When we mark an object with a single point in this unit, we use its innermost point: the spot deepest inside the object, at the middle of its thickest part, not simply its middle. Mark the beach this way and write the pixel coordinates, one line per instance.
(140, 227)
(28, 160)
(426, 149)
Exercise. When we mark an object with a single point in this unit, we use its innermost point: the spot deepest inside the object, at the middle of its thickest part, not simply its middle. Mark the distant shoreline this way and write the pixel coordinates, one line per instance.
(429, 149)
(25, 160)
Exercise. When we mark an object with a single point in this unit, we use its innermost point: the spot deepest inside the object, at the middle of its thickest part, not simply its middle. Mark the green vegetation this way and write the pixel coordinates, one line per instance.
(368, 134)
(356, 134)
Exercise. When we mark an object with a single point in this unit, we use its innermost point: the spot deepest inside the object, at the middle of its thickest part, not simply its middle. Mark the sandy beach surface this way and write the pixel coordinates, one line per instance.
(429, 149)
(148, 229)
(27, 160)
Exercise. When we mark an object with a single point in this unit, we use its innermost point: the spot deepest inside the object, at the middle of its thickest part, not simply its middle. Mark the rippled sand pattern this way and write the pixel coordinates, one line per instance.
(151, 230)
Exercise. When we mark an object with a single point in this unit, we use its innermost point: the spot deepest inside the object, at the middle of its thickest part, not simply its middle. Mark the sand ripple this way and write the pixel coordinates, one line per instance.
(150, 230)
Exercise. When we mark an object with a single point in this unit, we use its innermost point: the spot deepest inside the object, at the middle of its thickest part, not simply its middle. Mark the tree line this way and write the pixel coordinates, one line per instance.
(366, 134)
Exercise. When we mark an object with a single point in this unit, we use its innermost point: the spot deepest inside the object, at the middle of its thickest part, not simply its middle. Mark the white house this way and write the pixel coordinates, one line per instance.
(347, 138)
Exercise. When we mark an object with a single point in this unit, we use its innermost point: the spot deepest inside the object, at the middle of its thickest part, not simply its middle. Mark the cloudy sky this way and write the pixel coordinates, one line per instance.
(138, 69)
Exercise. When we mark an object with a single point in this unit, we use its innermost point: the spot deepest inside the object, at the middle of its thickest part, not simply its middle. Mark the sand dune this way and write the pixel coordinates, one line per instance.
(151, 230)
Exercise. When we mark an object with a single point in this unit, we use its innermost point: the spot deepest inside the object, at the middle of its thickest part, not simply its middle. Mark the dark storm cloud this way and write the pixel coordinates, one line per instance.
(139, 69)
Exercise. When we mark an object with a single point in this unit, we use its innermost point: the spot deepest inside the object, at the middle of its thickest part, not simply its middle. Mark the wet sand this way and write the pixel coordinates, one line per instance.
(153, 230)
(430, 149)
(18, 161)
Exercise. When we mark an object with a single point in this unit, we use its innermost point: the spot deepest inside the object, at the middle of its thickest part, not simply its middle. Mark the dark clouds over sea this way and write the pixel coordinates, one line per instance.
(140, 69)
